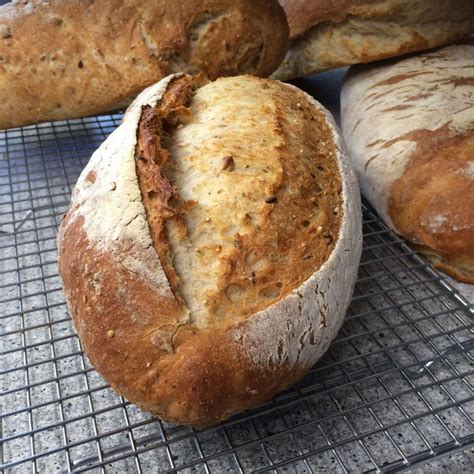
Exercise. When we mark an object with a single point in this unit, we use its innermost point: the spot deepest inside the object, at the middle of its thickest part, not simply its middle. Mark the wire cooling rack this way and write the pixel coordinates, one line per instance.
(394, 390)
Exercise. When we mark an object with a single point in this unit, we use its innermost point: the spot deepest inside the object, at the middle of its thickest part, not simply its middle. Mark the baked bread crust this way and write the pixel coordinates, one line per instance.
(327, 34)
(142, 331)
(69, 58)
(409, 126)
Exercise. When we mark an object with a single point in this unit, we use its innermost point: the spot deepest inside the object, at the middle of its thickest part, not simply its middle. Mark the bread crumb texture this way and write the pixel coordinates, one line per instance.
(209, 262)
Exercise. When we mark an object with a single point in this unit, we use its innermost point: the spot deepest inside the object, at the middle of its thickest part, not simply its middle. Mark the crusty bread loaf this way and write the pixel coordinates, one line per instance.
(69, 58)
(211, 246)
(326, 34)
(409, 125)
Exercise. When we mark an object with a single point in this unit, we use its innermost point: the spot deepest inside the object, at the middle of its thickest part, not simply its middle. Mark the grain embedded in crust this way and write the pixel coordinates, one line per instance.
(135, 329)
(68, 58)
(409, 126)
(241, 237)
(326, 35)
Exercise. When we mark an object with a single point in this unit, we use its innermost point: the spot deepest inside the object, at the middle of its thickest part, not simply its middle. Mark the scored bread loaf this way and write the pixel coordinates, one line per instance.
(409, 126)
(61, 59)
(211, 246)
(326, 34)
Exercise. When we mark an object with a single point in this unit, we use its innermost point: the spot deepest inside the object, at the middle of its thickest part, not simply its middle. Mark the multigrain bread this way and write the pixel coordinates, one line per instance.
(69, 58)
(326, 34)
(211, 246)
(409, 126)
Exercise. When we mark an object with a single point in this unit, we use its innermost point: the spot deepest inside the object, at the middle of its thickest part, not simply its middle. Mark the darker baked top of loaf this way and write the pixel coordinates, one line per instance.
(242, 192)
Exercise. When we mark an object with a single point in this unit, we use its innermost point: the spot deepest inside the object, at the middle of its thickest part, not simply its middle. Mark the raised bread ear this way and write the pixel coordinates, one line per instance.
(199, 290)
(108, 200)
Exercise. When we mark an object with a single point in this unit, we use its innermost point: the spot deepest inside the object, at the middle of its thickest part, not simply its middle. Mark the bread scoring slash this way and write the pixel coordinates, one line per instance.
(210, 261)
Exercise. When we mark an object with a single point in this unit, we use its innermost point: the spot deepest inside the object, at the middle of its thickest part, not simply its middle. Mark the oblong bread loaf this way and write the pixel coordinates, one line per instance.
(62, 59)
(409, 125)
(326, 34)
(211, 246)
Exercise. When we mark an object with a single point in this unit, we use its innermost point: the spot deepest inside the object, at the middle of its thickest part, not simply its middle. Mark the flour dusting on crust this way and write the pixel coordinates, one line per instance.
(109, 182)
(469, 170)
(382, 105)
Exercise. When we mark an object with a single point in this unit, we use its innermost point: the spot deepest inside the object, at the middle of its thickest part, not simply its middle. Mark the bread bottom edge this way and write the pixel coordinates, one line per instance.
(461, 274)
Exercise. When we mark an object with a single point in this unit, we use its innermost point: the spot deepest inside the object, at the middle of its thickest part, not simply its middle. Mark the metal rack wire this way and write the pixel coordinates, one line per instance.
(394, 390)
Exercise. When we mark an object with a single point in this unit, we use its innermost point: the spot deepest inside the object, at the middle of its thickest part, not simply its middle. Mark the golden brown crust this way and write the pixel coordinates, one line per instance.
(208, 377)
(68, 58)
(211, 379)
(262, 267)
(431, 205)
(303, 14)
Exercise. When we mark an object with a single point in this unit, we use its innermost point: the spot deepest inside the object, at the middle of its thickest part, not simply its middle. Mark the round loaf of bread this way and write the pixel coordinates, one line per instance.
(211, 246)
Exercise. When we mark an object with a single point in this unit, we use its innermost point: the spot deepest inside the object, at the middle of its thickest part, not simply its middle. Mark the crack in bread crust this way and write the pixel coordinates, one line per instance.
(151, 156)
